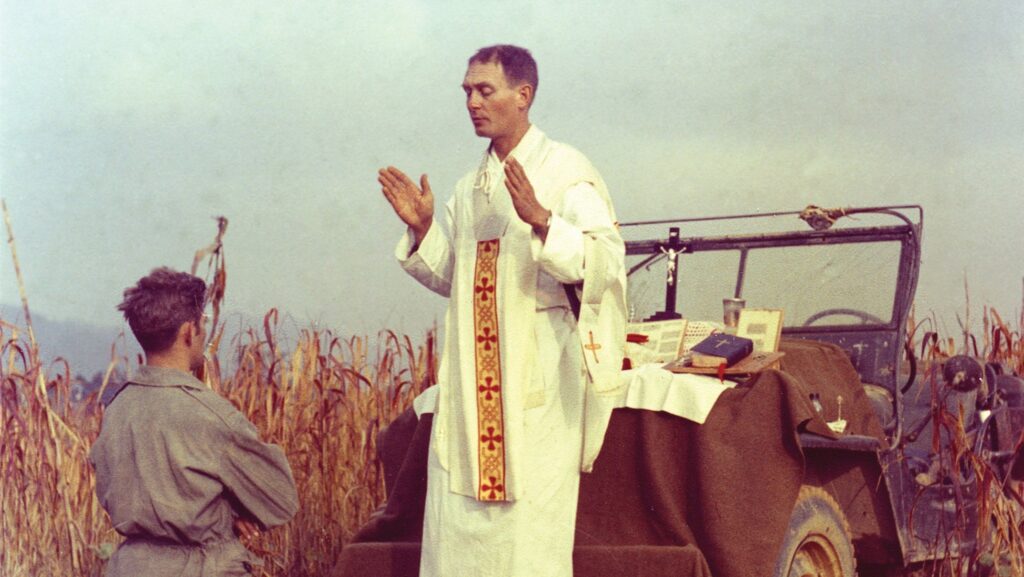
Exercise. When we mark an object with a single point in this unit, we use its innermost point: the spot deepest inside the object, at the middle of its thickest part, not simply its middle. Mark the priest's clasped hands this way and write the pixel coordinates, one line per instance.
(415, 204)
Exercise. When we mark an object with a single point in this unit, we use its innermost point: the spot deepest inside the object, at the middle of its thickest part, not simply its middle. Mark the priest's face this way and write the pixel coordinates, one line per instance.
(496, 109)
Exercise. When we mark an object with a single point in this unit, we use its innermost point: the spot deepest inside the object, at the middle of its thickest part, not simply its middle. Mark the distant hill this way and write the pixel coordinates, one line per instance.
(86, 347)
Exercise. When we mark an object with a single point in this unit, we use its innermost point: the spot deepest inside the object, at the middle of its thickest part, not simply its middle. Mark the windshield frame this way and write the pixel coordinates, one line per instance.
(887, 340)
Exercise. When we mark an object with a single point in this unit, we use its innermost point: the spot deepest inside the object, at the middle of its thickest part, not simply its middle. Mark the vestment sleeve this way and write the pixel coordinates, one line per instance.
(257, 474)
(432, 262)
(582, 212)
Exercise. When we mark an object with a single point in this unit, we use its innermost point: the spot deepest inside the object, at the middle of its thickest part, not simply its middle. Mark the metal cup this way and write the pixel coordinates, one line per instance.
(732, 308)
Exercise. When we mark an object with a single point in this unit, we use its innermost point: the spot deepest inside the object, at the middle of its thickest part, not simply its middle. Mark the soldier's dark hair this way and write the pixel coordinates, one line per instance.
(518, 63)
(159, 304)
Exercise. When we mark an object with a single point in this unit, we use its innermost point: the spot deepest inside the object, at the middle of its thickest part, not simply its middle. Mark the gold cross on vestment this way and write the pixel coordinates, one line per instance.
(592, 347)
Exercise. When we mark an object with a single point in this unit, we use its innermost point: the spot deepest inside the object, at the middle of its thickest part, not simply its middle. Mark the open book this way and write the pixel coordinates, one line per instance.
(655, 341)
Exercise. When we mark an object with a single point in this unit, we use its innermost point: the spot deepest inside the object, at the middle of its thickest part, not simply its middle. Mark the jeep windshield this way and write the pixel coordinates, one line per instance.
(845, 276)
(859, 280)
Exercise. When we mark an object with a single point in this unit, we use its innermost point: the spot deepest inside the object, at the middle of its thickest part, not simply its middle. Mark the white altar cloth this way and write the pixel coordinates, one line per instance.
(647, 387)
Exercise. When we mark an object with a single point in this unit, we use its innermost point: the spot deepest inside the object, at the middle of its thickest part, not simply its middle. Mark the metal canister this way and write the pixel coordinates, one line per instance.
(731, 311)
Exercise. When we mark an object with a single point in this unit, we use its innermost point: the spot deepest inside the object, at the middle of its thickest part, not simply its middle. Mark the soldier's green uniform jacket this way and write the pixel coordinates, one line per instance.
(176, 464)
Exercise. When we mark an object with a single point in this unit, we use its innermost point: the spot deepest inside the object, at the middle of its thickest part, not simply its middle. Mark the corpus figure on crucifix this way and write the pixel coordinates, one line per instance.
(521, 410)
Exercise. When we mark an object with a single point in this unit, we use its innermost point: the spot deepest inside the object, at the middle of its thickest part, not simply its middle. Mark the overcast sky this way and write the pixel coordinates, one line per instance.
(126, 126)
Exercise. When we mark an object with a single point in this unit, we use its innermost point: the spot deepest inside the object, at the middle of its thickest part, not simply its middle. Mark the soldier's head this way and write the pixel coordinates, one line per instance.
(165, 310)
(500, 84)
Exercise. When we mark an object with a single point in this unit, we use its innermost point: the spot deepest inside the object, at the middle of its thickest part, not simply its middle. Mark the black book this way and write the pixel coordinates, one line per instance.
(720, 348)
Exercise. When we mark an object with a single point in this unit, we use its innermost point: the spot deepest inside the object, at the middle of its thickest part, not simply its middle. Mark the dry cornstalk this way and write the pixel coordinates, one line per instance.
(51, 419)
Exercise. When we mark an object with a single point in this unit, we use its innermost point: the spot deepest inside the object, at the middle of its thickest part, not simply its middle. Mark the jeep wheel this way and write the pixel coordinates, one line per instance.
(817, 542)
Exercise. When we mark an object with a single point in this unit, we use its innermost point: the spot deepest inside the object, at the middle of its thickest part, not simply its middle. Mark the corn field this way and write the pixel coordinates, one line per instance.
(323, 402)
(323, 399)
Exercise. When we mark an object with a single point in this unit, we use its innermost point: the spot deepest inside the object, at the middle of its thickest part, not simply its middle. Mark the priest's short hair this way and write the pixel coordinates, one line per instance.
(517, 63)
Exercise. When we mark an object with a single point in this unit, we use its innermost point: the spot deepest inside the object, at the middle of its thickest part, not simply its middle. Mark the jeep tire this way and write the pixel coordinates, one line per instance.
(817, 542)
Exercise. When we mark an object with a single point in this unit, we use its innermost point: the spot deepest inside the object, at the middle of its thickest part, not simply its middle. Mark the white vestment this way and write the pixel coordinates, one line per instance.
(525, 391)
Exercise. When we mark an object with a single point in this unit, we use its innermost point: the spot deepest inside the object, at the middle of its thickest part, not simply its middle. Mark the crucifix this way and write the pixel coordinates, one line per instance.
(671, 249)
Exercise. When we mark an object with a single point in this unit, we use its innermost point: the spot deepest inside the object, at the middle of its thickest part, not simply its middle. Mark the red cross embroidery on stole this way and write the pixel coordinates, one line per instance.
(492, 490)
(490, 438)
(489, 388)
(485, 337)
(484, 289)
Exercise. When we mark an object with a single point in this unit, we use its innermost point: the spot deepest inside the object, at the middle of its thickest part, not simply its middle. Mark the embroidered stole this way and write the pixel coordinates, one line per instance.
(490, 417)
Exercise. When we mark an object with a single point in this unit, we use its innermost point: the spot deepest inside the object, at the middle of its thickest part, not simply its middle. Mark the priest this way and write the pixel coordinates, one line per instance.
(530, 257)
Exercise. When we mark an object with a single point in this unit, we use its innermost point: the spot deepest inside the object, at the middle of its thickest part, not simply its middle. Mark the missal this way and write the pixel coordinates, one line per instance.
(719, 349)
